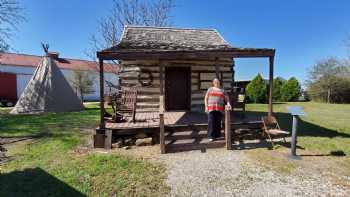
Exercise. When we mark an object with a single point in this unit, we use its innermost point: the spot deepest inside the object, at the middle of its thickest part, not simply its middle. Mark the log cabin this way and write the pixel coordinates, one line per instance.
(185, 80)
(173, 67)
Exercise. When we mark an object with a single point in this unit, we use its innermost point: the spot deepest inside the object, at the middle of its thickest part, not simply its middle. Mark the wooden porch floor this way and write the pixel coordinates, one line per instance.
(181, 118)
(184, 130)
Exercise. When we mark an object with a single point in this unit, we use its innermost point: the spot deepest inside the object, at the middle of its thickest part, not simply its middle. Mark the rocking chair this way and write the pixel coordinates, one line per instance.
(126, 103)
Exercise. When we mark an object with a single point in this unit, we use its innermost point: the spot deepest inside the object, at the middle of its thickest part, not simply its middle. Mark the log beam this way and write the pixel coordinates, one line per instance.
(184, 55)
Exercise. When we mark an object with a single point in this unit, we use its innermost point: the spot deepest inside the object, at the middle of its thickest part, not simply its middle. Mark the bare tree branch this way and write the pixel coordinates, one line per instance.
(10, 17)
(129, 12)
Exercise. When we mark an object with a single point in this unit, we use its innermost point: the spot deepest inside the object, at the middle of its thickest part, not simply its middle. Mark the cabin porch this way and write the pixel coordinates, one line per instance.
(158, 55)
(185, 130)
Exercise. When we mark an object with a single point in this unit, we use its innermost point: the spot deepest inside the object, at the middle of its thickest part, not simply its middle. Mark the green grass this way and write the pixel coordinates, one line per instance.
(49, 166)
(325, 129)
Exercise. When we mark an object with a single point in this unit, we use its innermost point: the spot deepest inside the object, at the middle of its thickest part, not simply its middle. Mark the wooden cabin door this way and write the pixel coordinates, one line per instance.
(177, 88)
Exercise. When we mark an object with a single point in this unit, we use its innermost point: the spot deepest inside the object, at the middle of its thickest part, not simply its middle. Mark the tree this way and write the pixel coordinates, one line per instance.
(129, 12)
(329, 81)
(276, 91)
(290, 90)
(82, 81)
(10, 17)
(256, 90)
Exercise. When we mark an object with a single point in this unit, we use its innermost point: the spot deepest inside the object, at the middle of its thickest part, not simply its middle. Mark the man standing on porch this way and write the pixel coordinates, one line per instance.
(214, 101)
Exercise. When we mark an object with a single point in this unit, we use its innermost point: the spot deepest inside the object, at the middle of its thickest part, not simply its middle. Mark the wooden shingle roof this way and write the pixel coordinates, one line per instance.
(139, 42)
(165, 38)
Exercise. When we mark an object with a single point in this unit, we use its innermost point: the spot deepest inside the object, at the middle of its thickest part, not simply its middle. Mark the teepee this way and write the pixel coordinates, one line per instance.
(47, 91)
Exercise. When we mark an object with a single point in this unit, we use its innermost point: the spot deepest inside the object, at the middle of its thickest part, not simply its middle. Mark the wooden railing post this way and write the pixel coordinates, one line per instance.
(161, 125)
(102, 106)
(271, 61)
(228, 129)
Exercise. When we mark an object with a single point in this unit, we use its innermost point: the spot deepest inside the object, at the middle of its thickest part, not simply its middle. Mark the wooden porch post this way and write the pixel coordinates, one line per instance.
(161, 125)
(233, 74)
(271, 61)
(102, 108)
(161, 110)
(228, 129)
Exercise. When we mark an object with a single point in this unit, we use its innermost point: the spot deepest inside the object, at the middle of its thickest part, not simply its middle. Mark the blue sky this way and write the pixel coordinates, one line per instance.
(301, 31)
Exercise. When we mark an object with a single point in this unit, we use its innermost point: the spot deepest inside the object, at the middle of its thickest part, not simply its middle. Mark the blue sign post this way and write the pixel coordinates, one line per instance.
(295, 111)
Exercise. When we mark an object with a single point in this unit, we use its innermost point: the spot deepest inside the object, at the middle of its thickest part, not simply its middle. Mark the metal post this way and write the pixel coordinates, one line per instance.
(296, 111)
(294, 135)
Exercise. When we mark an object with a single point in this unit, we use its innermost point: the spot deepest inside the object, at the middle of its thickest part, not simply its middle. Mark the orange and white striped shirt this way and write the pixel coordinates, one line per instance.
(216, 99)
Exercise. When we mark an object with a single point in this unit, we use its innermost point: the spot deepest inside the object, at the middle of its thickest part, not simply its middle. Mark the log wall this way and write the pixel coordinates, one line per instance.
(202, 73)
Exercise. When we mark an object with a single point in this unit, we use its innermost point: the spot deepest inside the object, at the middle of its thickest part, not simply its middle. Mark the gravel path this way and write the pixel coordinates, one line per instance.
(231, 173)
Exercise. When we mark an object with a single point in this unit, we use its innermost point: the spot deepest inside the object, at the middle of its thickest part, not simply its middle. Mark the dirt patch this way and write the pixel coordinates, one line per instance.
(10, 140)
(5, 143)
(3, 157)
(135, 152)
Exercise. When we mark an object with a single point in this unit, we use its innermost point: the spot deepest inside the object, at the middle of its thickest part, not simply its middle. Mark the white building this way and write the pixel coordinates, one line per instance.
(17, 69)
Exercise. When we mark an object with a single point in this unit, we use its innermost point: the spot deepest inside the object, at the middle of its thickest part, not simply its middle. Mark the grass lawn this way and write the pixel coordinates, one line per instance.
(325, 129)
(47, 165)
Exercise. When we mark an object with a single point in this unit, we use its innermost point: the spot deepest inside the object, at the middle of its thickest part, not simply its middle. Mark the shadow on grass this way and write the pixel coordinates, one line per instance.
(34, 182)
(261, 143)
(332, 153)
(304, 128)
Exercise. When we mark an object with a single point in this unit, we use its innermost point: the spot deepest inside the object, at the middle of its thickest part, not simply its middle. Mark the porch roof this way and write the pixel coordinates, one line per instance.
(130, 54)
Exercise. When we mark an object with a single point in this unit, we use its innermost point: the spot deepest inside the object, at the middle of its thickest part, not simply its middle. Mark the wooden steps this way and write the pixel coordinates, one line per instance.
(190, 138)
(170, 148)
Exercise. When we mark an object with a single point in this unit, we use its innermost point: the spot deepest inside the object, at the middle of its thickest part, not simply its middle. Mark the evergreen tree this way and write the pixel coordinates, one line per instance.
(276, 91)
(256, 90)
(290, 90)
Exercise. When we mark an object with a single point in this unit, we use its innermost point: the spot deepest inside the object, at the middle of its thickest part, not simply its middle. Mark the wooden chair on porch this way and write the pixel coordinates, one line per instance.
(272, 129)
(125, 104)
